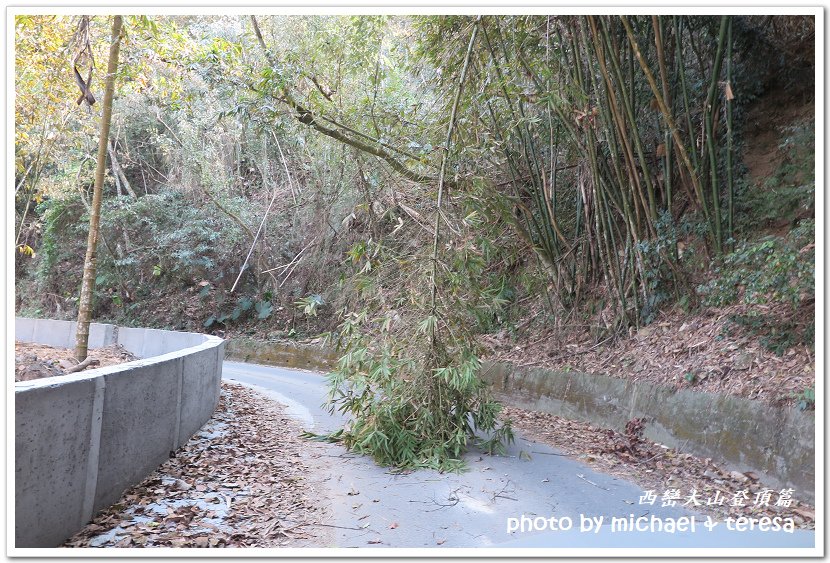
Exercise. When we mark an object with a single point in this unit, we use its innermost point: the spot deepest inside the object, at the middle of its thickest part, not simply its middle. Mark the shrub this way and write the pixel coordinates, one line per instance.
(771, 269)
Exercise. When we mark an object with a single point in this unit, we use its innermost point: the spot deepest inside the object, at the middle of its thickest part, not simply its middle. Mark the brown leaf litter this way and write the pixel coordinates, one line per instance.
(704, 352)
(241, 481)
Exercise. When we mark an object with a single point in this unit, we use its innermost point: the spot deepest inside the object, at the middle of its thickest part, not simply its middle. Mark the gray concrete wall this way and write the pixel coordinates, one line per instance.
(283, 354)
(62, 333)
(82, 439)
(777, 443)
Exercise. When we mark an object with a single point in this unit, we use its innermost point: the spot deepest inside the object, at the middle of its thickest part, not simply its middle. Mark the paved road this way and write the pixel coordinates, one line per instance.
(474, 509)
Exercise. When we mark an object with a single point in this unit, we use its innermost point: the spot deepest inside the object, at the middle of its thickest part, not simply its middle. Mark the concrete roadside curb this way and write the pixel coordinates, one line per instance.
(82, 439)
(776, 443)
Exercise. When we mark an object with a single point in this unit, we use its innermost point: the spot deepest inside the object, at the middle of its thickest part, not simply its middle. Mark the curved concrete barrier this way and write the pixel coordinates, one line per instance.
(82, 439)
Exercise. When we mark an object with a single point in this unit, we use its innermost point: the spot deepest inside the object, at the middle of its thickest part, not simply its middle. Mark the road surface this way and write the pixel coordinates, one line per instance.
(501, 501)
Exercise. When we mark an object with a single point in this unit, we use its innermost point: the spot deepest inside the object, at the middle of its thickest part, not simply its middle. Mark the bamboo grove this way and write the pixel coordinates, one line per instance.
(612, 132)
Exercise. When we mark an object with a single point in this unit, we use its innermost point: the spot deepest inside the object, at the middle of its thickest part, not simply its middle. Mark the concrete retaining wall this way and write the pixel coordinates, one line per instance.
(82, 439)
(283, 354)
(777, 443)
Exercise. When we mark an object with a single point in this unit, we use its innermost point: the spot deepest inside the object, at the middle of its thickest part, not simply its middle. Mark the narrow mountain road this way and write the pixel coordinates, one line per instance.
(371, 506)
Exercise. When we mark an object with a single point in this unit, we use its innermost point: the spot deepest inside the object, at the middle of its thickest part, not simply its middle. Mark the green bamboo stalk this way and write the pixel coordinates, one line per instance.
(616, 167)
(729, 138)
(606, 243)
(530, 153)
(547, 235)
(678, 34)
(531, 225)
(590, 154)
(709, 117)
(699, 204)
(611, 98)
(632, 121)
(553, 139)
(657, 23)
(444, 158)
(666, 113)
(604, 223)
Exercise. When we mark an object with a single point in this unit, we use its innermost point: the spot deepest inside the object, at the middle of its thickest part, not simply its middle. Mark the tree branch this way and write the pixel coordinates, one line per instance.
(88, 361)
(307, 117)
(118, 172)
(227, 211)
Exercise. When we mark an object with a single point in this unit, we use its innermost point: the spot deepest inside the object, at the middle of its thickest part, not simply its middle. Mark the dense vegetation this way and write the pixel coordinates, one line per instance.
(409, 183)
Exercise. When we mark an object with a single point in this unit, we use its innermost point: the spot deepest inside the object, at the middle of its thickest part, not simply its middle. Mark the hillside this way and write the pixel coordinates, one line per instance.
(758, 349)
(625, 195)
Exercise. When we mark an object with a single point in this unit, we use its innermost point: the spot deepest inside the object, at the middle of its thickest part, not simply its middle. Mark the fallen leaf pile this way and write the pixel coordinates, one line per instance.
(705, 352)
(239, 482)
(35, 361)
(656, 467)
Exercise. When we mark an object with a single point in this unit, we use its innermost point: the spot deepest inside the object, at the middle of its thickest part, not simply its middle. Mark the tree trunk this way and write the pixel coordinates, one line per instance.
(90, 262)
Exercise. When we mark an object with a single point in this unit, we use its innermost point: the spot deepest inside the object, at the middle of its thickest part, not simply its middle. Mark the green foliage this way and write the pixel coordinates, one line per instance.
(549, 201)
(774, 334)
(183, 238)
(408, 378)
(246, 309)
(63, 224)
(806, 400)
(263, 309)
(773, 268)
(310, 304)
(152, 247)
(566, 121)
(657, 254)
(789, 193)
(408, 410)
